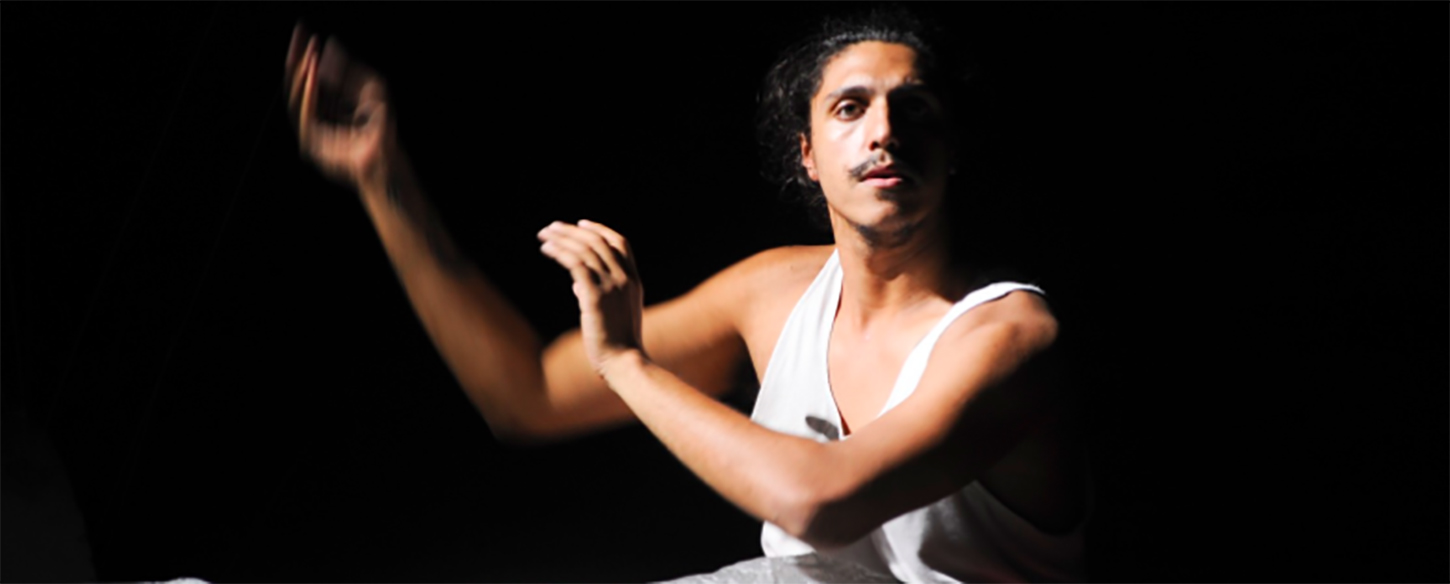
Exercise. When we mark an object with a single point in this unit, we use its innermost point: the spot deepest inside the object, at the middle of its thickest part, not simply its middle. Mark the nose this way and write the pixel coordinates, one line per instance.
(879, 128)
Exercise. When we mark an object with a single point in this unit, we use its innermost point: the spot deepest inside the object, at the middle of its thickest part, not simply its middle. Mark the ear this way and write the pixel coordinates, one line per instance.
(806, 159)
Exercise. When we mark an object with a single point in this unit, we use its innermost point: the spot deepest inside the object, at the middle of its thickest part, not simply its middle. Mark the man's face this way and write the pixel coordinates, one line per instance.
(878, 145)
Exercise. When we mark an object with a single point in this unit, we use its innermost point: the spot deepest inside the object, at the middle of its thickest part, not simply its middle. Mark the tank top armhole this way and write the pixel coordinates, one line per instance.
(916, 361)
(792, 321)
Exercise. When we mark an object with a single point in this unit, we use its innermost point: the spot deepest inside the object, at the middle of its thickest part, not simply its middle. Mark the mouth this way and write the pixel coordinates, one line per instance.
(885, 177)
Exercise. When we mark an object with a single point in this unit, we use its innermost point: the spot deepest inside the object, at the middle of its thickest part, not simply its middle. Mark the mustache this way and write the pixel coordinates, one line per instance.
(881, 158)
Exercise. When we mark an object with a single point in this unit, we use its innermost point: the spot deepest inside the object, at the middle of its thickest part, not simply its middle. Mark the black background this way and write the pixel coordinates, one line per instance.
(1239, 211)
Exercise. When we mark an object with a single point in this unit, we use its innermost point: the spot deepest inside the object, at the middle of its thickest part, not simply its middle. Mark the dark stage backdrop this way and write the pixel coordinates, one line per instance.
(1239, 211)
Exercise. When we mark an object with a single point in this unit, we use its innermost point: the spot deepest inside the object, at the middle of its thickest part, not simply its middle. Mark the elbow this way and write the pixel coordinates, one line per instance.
(823, 518)
(830, 529)
(524, 427)
(515, 426)
(515, 416)
(512, 433)
(508, 429)
(523, 432)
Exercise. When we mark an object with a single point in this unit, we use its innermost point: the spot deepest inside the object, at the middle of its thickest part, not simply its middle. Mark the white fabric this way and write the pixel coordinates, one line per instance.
(803, 569)
(968, 536)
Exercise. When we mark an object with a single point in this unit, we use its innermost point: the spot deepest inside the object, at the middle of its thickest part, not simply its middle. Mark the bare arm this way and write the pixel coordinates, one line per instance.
(523, 389)
(969, 409)
(526, 391)
(491, 349)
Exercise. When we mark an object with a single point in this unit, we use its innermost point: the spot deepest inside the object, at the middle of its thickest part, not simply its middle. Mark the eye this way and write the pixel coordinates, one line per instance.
(849, 110)
(916, 108)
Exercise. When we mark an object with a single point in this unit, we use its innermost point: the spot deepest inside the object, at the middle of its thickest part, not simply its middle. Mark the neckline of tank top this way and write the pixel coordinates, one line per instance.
(835, 282)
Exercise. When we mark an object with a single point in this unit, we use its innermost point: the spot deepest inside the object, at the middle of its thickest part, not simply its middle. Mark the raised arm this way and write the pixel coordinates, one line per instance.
(525, 390)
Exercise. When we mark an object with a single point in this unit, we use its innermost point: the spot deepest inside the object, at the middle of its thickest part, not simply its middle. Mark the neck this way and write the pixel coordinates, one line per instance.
(888, 274)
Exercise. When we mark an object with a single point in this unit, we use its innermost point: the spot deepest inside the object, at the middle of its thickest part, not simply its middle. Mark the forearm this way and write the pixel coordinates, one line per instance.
(489, 346)
(773, 476)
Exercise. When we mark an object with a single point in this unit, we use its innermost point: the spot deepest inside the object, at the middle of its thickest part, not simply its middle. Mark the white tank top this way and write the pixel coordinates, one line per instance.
(968, 536)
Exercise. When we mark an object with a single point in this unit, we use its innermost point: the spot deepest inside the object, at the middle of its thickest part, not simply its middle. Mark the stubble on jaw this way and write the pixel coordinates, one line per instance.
(893, 235)
(887, 239)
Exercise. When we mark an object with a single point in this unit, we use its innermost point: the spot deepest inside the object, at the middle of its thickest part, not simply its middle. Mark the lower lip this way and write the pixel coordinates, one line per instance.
(884, 182)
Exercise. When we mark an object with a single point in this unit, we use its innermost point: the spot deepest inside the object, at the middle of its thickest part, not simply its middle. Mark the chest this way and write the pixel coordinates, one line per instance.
(863, 369)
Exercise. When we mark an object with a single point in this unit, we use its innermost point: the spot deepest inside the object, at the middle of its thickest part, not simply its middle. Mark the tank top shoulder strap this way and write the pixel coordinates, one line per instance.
(808, 324)
(915, 365)
(794, 396)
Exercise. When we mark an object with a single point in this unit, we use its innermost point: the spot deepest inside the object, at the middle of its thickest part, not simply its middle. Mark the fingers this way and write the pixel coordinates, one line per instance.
(297, 73)
(372, 103)
(308, 105)
(572, 254)
(586, 283)
(332, 63)
(294, 51)
(620, 247)
(561, 244)
(590, 249)
(611, 255)
(350, 83)
(326, 87)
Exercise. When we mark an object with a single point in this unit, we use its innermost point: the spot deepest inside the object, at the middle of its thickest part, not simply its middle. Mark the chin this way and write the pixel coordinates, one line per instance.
(905, 205)
(888, 228)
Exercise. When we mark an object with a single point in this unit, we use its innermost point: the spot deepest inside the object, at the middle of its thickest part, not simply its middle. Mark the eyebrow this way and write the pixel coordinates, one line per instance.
(912, 87)
(852, 90)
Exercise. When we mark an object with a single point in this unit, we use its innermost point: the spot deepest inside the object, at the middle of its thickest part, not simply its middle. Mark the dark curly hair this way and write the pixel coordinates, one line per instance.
(785, 96)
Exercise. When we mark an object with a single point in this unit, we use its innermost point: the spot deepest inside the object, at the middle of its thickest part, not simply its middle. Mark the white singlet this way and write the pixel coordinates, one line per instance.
(968, 536)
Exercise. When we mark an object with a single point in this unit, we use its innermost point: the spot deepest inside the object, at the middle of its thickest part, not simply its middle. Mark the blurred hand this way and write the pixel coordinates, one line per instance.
(339, 109)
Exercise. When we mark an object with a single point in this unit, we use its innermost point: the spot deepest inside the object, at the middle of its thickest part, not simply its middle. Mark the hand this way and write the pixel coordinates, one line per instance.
(339, 108)
(611, 298)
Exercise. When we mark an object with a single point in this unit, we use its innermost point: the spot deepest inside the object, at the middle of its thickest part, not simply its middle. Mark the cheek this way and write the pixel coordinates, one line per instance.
(842, 148)
(846, 137)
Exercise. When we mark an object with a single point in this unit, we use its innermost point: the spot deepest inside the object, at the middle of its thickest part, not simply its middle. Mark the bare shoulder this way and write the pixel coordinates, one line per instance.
(740, 292)
(1022, 319)
(764, 288)
(783, 265)
(698, 335)
(776, 273)
(771, 273)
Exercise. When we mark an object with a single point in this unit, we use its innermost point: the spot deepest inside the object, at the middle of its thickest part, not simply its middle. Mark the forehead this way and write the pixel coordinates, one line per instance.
(872, 65)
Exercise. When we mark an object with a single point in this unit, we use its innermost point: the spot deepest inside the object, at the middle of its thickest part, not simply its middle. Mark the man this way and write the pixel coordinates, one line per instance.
(905, 424)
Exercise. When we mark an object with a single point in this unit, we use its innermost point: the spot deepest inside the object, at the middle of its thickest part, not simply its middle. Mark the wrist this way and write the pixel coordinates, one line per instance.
(386, 177)
(622, 366)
